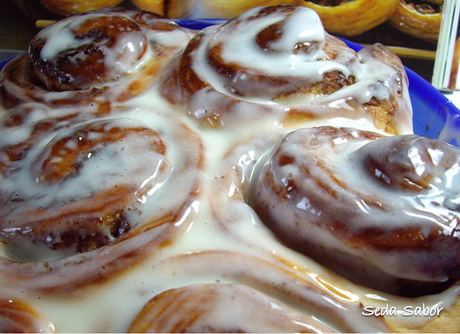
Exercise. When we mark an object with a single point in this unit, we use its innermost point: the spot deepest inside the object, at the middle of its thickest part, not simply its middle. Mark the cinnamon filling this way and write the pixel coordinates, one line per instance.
(424, 7)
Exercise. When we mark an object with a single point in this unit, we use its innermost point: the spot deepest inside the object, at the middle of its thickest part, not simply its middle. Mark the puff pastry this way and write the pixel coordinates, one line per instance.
(229, 9)
(350, 18)
(170, 9)
(70, 7)
(421, 21)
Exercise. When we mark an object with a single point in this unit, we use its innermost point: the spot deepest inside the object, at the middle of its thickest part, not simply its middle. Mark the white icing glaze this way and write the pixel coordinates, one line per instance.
(124, 53)
(326, 184)
(273, 77)
(215, 236)
(94, 65)
(223, 308)
(281, 61)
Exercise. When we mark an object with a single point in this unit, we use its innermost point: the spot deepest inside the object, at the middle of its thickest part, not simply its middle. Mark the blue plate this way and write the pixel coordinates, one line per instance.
(431, 109)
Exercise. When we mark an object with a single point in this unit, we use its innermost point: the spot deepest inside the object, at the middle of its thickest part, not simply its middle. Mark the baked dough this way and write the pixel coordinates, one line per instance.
(350, 18)
(422, 21)
(70, 7)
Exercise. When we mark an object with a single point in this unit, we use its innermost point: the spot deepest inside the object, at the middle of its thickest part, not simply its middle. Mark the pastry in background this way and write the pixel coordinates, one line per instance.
(170, 9)
(228, 9)
(180, 8)
(70, 7)
(154, 6)
(418, 19)
(352, 17)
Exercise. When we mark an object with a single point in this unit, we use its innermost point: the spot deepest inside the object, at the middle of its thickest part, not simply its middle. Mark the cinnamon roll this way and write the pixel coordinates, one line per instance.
(71, 186)
(294, 292)
(352, 17)
(421, 19)
(98, 58)
(88, 217)
(278, 63)
(381, 211)
(221, 182)
(221, 308)
(18, 317)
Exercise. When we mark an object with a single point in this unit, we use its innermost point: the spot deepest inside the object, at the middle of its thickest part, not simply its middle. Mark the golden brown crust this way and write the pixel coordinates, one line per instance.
(229, 9)
(170, 9)
(70, 7)
(180, 8)
(154, 6)
(424, 24)
(351, 18)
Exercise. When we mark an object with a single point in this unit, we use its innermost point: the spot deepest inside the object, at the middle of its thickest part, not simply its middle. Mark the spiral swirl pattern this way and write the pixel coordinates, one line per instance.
(354, 199)
(97, 59)
(268, 63)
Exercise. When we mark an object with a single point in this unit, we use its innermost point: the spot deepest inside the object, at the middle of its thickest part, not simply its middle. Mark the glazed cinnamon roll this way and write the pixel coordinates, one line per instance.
(221, 308)
(381, 211)
(97, 58)
(96, 212)
(278, 64)
(119, 212)
(18, 317)
(352, 17)
(71, 188)
(245, 280)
